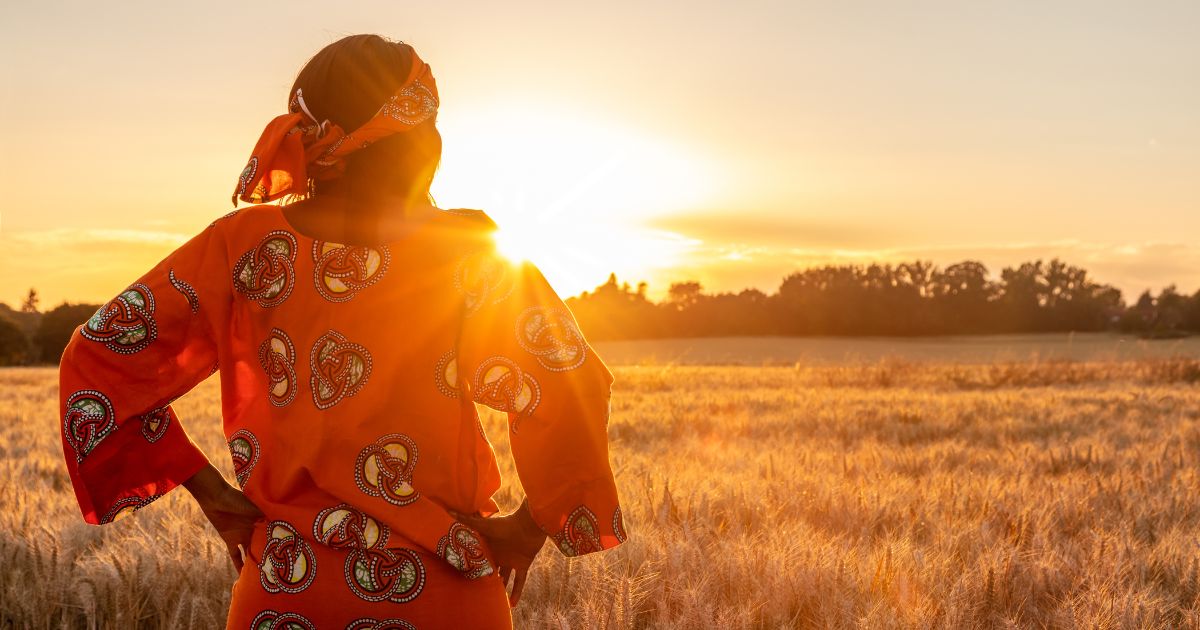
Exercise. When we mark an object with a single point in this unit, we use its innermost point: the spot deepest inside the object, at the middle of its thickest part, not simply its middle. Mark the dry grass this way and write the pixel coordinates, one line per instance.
(885, 495)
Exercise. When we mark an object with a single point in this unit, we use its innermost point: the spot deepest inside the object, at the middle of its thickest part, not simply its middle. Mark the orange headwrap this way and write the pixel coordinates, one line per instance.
(296, 146)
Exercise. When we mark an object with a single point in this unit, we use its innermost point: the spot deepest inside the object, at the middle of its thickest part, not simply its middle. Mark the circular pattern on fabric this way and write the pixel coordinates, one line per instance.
(580, 534)
(273, 620)
(551, 335)
(445, 375)
(366, 623)
(289, 564)
(126, 506)
(375, 575)
(341, 271)
(267, 273)
(126, 323)
(244, 449)
(385, 469)
(155, 423)
(89, 418)
(502, 385)
(463, 550)
(373, 572)
(482, 278)
(186, 289)
(339, 369)
(277, 356)
(346, 527)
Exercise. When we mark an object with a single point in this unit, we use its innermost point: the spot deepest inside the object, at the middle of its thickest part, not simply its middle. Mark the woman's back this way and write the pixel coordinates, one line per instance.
(348, 375)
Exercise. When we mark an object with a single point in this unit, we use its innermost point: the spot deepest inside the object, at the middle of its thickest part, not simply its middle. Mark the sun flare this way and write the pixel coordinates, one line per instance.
(570, 190)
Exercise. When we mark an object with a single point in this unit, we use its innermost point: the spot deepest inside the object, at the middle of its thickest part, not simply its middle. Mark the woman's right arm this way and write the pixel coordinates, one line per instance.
(227, 509)
(123, 444)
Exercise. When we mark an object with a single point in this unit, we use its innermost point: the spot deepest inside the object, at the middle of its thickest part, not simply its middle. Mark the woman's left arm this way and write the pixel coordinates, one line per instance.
(123, 443)
(522, 352)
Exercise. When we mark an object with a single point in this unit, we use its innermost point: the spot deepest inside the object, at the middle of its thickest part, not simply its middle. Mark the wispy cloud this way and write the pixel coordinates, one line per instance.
(75, 236)
(78, 265)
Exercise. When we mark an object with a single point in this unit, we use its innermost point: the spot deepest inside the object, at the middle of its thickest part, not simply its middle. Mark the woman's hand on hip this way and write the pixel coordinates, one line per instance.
(227, 509)
(515, 540)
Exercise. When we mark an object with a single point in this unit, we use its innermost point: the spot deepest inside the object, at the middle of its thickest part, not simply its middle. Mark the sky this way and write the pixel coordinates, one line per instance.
(726, 142)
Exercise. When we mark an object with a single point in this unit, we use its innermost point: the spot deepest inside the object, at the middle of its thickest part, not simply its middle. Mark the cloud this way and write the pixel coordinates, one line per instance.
(72, 236)
(78, 265)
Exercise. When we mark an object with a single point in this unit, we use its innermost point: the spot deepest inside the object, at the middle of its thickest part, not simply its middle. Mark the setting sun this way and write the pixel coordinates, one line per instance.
(570, 190)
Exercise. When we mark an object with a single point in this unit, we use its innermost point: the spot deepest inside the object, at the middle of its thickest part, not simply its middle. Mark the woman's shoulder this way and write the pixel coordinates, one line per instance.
(261, 213)
(472, 218)
(250, 226)
(467, 229)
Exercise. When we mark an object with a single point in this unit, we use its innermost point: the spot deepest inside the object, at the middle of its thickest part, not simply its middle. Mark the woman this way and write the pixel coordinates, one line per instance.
(353, 328)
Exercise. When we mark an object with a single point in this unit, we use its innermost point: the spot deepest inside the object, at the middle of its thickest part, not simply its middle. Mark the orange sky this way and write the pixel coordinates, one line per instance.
(720, 141)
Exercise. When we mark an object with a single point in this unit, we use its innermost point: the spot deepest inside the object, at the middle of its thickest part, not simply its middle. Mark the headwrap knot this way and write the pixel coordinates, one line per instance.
(296, 147)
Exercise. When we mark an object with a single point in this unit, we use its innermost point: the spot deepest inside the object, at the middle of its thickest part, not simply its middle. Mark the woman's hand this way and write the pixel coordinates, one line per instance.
(515, 540)
(227, 509)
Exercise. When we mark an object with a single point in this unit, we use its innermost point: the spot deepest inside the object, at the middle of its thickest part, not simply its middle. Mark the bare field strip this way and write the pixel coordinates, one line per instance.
(881, 495)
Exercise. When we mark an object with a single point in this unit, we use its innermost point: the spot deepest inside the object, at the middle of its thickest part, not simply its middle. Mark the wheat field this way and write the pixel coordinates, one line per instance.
(882, 495)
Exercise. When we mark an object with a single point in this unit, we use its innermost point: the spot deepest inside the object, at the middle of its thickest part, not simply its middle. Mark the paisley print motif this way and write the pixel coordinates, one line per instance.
(277, 356)
(288, 562)
(483, 278)
(126, 324)
(502, 385)
(89, 418)
(267, 273)
(272, 620)
(186, 289)
(341, 271)
(244, 449)
(385, 469)
(339, 369)
(155, 423)
(618, 524)
(373, 572)
(246, 177)
(551, 335)
(125, 507)
(580, 535)
(412, 105)
(445, 375)
(463, 550)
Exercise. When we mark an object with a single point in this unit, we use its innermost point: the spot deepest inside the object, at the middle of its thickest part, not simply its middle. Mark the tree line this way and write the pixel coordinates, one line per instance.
(905, 299)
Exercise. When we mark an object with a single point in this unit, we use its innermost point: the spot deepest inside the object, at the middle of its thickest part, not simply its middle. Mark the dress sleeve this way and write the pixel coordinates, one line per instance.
(123, 444)
(522, 352)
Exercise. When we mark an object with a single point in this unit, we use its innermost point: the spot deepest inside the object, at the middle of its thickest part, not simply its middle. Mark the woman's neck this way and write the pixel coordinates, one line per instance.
(357, 221)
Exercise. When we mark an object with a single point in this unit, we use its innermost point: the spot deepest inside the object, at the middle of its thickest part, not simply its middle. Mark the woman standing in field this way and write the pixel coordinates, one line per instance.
(354, 329)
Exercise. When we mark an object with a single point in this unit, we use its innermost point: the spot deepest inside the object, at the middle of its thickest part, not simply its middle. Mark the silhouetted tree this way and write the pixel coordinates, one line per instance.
(14, 345)
(30, 305)
(912, 298)
(56, 328)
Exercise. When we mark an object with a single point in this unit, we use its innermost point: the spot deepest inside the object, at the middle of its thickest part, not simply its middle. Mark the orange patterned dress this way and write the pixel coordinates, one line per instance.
(348, 377)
